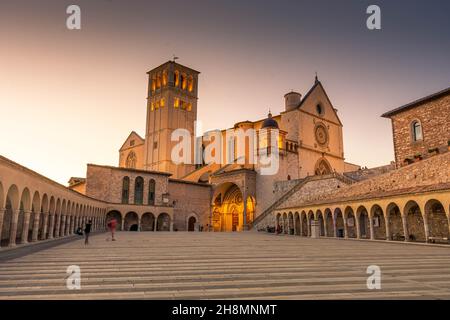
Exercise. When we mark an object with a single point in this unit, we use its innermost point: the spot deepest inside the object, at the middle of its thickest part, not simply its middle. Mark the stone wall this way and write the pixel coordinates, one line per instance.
(434, 117)
(190, 199)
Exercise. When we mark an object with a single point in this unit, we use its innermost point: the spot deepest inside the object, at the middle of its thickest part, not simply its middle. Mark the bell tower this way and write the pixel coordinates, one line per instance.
(171, 104)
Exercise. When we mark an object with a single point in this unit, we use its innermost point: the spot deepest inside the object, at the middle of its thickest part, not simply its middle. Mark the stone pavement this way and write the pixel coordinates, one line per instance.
(250, 265)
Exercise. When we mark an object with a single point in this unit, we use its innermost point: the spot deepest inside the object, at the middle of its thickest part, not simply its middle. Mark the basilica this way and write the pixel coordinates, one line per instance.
(313, 192)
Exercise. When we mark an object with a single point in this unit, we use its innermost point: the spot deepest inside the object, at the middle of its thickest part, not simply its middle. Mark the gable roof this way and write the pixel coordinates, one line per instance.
(317, 84)
(416, 103)
(142, 140)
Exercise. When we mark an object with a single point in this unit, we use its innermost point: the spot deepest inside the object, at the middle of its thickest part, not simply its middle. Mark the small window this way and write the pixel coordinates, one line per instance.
(131, 143)
(319, 109)
(416, 131)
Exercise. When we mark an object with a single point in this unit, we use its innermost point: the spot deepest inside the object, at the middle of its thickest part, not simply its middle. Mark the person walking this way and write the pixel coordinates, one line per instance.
(87, 231)
(112, 227)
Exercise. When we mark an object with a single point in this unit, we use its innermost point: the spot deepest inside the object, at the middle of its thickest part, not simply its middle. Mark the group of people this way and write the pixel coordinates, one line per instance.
(87, 230)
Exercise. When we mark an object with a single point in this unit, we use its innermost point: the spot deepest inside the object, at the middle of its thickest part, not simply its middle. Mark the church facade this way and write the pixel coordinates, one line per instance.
(229, 193)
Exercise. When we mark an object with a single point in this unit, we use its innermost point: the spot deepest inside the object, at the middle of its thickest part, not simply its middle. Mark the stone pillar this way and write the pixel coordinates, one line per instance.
(154, 224)
(57, 225)
(44, 226)
(26, 227)
(36, 221)
(334, 228)
(52, 226)
(2, 215)
(301, 225)
(358, 231)
(171, 226)
(13, 231)
(388, 229)
(139, 223)
(62, 226)
(123, 224)
(71, 224)
(372, 232)
(405, 228)
(426, 227)
(345, 227)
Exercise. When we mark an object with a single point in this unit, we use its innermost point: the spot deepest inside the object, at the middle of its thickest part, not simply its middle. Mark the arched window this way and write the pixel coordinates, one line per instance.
(125, 189)
(153, 83)
(138, 190)
(190, 83)
(151, 192)
(183, 81)
(177, 78)
(416, 128)
(322, 168)
(131, 160)
(158, 81)
(164, 78)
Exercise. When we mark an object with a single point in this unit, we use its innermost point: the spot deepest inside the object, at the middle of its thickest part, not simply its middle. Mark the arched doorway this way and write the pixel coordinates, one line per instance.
(191, 223)
(291, 223)
(321, 223)
(131, 219)
(228, 208)
(395, 223)
(329, 223)
(415, 223)
(351, 222)
(364, 227)
(340, 227)
(163, 222)
(148, 222)
(437, 220)
(304, 224)
(378, 223)
(114, 214)
(297, 224)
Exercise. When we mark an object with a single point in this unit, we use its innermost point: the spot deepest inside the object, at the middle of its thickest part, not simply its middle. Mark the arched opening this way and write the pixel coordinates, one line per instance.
(125, 189)
(437, 221)
(340, 227)
(304, 224)
(291, 223)
(131, 218)
(321, 223)
(322, 167)
(228, 208)
(351, 222)
(11, 204)
(278, 223)
(114, 214)
(151, 192)
(163, 222)
(395, 223)
(378, 223)
(138, 190)
(329, 223)
(297, 223)
(416, 131)
(134, 227)
(414, 222)
(191, 223)
(148, 222)
(131, 160)
(364, 227)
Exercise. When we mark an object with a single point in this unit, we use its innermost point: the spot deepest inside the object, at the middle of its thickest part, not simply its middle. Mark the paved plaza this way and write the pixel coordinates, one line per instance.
(250, 265)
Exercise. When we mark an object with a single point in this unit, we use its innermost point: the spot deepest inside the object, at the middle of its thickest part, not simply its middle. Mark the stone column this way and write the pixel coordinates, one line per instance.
(139, 223)
(36, 221)
(13, 231)
(345, 227)
(57, 225)
(71, 224)
(405, 228)
(426, 227)
(123, 224)
(334, 228)
(244, 215)
(372, 232)
(171, 226)
(26, 227)
(52, 226)
(358, 230)
(154, 224)
(62, 226)
(301, 225)
(388, 229)
(2, 215)
(44, 226)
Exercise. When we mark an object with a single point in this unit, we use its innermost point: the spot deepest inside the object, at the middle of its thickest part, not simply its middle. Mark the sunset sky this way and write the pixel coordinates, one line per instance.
(68, 98)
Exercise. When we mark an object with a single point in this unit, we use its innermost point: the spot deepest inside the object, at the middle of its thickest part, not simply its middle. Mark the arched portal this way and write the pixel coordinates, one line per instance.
(131, 219)
(436, 220)
(291, 223)
(191, 223)
(415, 223)
(321, 222)
(304, 224)
(340, 226)
(378, 223)
(351, 222)
(363, 218)
(148, 222)
(163, 222)
(395, 223)
(228, 208)
(114, 214)
(329, 223)
(297, 224)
